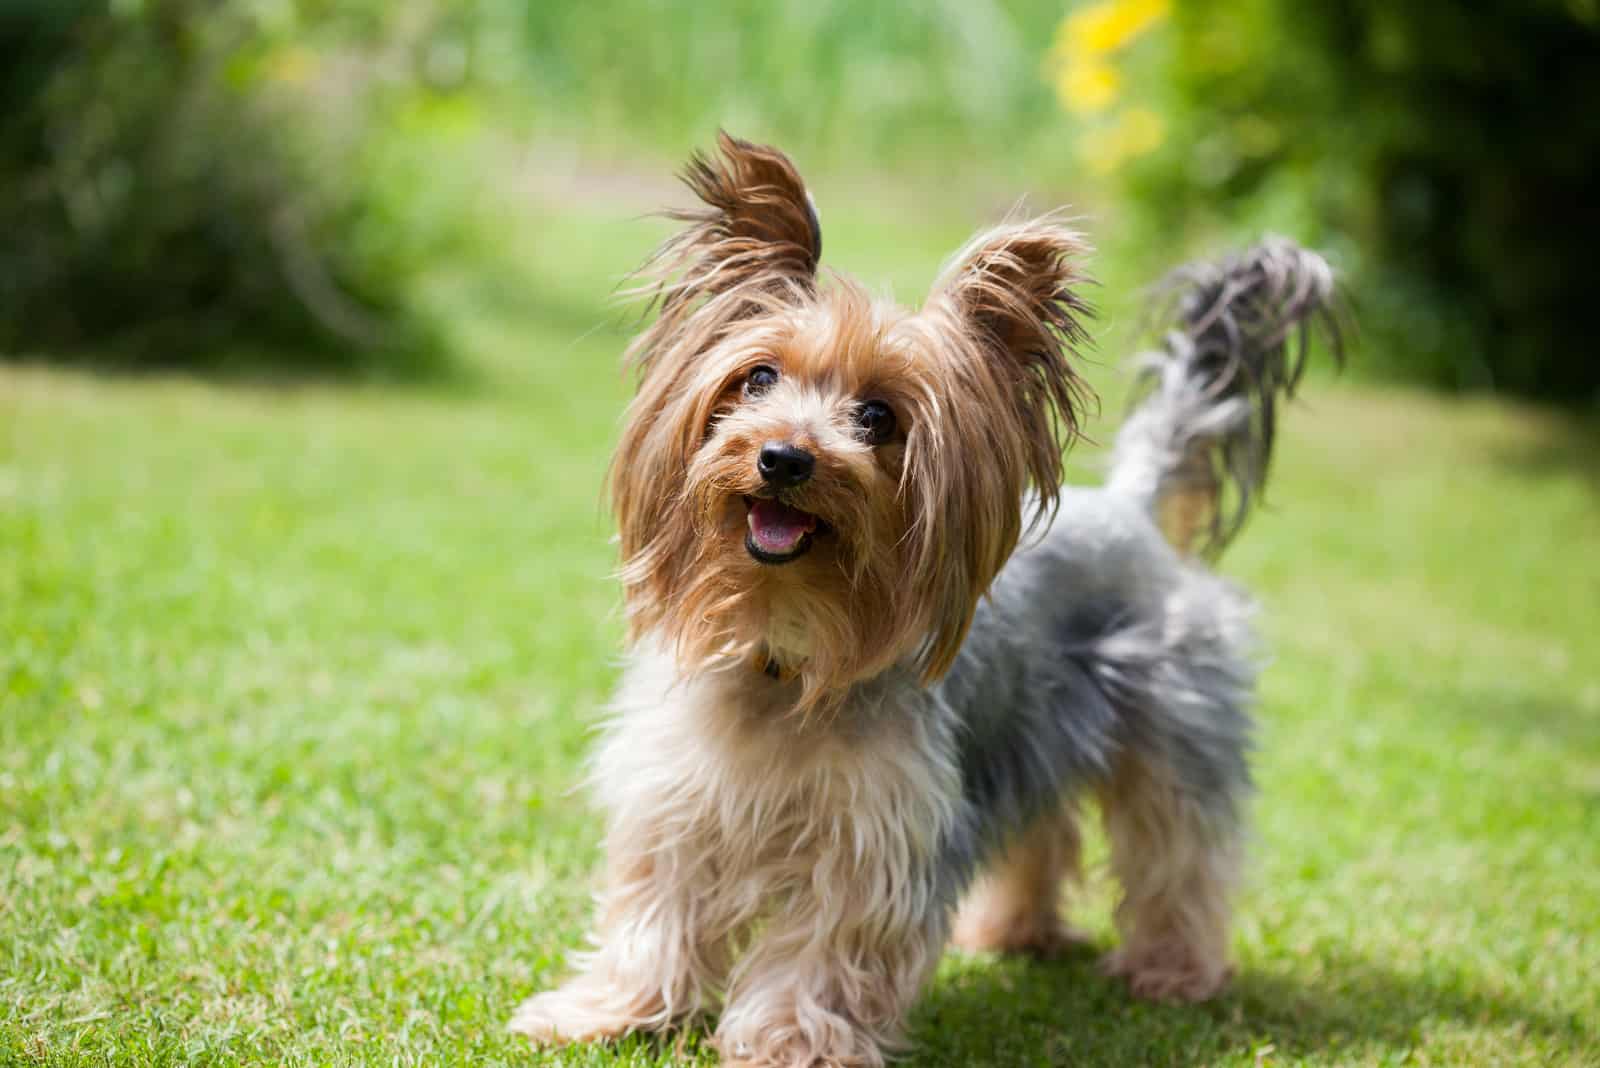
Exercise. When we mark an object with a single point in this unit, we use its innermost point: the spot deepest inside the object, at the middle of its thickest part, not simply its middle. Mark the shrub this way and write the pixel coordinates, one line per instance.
(173, 193)
(1447, 150)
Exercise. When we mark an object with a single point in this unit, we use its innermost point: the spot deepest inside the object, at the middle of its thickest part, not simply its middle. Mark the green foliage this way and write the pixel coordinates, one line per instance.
(181, 179)
(1448, 148)
(176, 183)
(837, 81)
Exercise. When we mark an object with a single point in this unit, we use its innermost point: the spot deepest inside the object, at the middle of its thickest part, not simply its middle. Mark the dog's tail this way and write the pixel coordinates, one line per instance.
(1196, 448)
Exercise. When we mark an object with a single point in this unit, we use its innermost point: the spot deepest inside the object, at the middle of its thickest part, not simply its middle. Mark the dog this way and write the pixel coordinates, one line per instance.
(879, 655)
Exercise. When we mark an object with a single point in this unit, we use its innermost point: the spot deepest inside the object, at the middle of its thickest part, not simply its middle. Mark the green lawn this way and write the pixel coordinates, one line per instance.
(295, 683)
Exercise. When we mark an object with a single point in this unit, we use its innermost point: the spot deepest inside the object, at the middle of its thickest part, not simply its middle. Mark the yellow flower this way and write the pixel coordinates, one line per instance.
(1087, 88)
(1105, 27)
(1079, 60)
(1087, 83)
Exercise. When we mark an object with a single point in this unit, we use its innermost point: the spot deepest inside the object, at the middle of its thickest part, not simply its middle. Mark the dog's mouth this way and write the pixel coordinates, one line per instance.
(778, 533)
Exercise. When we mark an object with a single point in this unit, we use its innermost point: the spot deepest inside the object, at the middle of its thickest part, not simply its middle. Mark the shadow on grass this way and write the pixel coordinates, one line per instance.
(1015, 1012)
(1064, 1013)
(1571, 445)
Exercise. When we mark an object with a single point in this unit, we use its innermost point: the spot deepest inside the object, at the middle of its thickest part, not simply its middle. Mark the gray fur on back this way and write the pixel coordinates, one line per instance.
(1094, 641)
(1099, 640)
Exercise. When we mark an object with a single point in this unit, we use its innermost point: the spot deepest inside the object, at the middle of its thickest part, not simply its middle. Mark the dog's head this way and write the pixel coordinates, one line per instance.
(819, 483)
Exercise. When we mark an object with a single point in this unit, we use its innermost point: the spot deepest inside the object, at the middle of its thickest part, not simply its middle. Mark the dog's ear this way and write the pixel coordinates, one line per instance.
(753, 246)
(1006, 323)
(755, 243)
(1014, 291)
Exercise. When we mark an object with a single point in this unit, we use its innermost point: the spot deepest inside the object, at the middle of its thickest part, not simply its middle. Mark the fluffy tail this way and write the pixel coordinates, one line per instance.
(1196, 448)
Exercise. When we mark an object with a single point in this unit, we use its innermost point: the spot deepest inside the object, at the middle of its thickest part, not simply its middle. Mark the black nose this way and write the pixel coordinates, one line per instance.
(783, 465)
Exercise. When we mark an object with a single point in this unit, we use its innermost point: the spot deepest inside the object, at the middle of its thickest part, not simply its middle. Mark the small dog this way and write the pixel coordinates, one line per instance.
(850, 698)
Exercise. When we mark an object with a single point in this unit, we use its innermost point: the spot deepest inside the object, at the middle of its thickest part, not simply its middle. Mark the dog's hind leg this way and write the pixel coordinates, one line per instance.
(1177, 858)
(1175, 800)
(1015, 904)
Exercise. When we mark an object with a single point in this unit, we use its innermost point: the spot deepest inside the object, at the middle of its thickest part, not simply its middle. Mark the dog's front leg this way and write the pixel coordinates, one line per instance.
(831, 980)
(660, 947)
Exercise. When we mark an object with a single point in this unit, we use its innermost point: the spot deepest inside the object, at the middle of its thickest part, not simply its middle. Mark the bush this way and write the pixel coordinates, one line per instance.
(173, 193)
(1448, 150)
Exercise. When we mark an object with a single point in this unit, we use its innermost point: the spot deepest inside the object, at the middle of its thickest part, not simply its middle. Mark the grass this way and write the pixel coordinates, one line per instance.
(295, 685)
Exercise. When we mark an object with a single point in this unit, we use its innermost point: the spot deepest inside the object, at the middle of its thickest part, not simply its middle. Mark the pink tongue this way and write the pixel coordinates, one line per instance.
(776, 528)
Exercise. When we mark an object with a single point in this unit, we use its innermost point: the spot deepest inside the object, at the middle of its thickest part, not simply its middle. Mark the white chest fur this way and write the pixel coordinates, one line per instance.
(715, 765)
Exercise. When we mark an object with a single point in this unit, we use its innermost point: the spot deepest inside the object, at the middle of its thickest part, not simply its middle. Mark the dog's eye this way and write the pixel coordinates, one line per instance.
(876, 420)
(759, 380)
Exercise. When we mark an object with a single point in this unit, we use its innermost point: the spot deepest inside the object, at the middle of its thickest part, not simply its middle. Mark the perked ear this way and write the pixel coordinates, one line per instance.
(757, 241)
(1014, 290)
(753, 246)
(1007, 315)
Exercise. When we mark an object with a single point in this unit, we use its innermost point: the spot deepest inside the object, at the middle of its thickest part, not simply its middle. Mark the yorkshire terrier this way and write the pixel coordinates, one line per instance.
(850, 697)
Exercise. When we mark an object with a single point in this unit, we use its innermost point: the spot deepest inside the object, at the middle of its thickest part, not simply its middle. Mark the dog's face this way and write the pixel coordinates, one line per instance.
(819, 484)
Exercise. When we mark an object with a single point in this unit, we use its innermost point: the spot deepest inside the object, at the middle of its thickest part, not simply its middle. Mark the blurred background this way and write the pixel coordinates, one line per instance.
(303, 185)
(309, 343)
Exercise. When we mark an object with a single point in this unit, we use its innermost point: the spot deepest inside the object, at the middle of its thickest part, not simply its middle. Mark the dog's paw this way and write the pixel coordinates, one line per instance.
(779, 1042)
(1167, 973)
(576, 1013)
(786, 1058)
